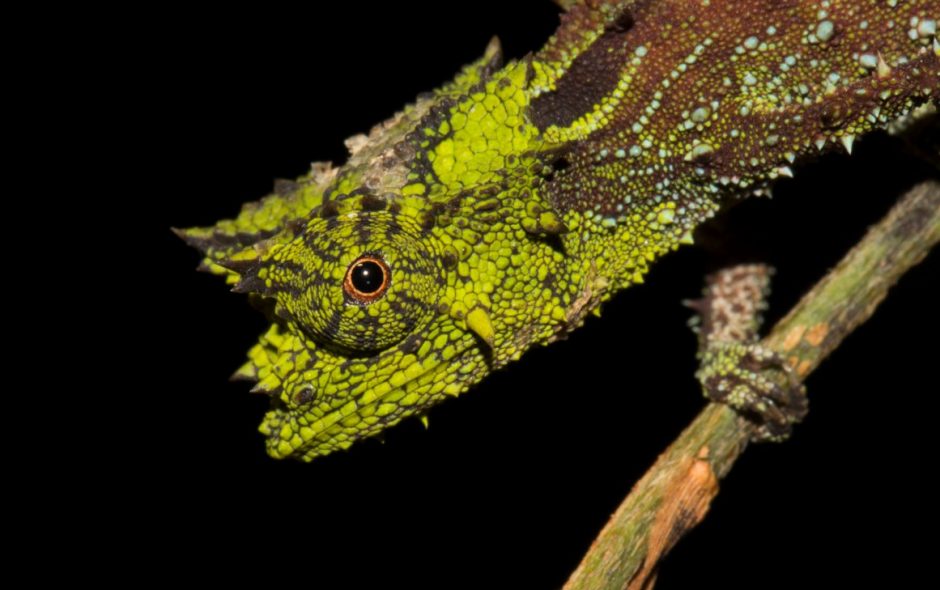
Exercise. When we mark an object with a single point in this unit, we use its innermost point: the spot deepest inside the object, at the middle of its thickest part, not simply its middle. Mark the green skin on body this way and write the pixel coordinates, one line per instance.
(503, 208)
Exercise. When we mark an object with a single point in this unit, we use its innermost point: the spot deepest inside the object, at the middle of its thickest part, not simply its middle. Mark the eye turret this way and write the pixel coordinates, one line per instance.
(356, 283)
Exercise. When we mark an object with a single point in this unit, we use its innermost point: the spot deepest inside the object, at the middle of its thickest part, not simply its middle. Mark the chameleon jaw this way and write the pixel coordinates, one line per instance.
(290, 433)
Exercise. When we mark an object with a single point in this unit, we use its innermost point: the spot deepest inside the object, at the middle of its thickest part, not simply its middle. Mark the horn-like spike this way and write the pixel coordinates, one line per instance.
(478, 320)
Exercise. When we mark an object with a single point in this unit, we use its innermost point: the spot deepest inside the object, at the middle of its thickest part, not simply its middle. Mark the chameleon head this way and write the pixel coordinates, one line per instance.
(428, 260)
(361, 338)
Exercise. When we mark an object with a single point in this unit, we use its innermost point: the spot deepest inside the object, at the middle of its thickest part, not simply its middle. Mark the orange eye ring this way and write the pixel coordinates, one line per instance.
(367, 279)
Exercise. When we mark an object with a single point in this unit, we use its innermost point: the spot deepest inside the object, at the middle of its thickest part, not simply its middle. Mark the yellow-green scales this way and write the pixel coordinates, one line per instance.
(508, 204)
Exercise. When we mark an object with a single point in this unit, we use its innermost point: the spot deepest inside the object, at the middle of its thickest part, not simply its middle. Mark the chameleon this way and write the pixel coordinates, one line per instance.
(497, 212)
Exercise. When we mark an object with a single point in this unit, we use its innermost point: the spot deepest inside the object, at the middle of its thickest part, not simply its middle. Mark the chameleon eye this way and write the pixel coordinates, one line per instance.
(335, 281)
(366, 279)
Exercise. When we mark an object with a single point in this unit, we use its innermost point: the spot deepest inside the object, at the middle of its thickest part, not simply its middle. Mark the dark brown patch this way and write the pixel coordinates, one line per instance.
(593, 75)
(372, 202)
(622, 24)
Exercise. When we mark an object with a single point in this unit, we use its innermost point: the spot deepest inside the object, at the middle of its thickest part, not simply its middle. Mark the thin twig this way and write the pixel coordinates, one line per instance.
(675, 494)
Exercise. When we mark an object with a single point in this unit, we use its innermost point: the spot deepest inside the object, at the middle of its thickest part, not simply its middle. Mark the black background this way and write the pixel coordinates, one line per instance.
(513, 480)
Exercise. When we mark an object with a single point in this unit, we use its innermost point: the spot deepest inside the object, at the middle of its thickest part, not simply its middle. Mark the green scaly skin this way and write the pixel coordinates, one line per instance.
(519, 197)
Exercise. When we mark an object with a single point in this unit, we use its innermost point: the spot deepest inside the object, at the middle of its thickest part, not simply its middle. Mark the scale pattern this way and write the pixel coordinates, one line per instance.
(513, 201)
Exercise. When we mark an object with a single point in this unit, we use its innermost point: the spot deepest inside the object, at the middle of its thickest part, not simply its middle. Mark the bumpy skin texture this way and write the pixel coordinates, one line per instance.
(515, 200)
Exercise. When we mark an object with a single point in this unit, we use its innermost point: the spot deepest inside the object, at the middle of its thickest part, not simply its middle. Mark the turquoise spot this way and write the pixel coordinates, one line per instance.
(868, 61)
(824, 30)
(700, 114)
(700, 150)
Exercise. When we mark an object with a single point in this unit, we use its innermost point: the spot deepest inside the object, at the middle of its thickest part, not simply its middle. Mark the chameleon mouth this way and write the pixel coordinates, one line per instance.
(294, 434)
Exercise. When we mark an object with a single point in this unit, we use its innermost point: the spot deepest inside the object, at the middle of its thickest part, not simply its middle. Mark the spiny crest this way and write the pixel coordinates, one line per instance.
(428, 162)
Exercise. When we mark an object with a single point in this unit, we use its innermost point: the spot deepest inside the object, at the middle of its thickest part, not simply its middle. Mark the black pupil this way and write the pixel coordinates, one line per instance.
(367, 277)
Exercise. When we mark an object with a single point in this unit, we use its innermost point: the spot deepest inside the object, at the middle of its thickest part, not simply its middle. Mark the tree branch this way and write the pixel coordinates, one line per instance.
(675, 494)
